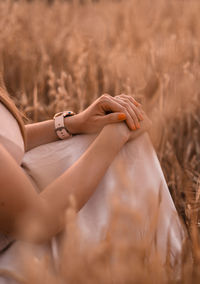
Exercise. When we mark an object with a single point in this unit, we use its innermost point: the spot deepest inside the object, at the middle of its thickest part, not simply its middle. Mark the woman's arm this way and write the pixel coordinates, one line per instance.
(40, 133)
(105, 110)
(38, 217)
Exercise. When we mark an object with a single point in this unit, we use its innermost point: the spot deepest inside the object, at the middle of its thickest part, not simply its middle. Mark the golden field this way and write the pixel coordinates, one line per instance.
(64, 54)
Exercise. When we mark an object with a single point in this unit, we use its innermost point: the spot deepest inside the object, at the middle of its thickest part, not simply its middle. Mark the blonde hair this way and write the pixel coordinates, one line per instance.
(9, 104)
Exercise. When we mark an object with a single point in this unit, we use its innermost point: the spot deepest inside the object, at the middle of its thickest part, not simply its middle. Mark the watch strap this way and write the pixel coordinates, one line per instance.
(60, 128)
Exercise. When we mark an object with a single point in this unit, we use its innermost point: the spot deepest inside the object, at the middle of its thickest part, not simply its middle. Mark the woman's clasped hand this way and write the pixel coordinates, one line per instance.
(106, 110)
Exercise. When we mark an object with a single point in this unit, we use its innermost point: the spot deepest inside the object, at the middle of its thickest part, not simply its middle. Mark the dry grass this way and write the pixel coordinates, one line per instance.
(67, 54)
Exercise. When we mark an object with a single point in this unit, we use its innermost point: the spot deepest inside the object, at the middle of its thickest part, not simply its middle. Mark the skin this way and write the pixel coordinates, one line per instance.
(103, 111)
(25, 214)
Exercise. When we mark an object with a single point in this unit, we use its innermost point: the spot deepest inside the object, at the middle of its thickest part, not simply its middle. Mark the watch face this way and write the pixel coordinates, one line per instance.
(58, 114)
(68, 113)
(64, 113)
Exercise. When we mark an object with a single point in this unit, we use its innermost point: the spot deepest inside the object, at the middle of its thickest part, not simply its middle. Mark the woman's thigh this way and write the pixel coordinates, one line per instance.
(136, 172)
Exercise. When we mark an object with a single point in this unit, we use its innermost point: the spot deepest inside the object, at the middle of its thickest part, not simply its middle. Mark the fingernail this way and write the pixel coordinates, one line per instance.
(138, 125)
(121, 116)
(133, 127)
(137, 104)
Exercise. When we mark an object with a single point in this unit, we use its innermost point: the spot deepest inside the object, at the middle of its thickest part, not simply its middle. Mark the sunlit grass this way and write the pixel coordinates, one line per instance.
(65, 55)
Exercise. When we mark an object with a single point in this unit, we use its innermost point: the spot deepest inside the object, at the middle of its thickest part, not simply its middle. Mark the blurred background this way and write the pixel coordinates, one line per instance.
(58, 55)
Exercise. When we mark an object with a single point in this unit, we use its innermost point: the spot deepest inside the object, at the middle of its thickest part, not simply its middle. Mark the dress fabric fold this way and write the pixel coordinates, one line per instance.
(135, 177)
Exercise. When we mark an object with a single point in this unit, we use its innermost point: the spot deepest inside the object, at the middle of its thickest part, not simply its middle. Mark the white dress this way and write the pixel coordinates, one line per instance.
(135, 176)
(11, 258)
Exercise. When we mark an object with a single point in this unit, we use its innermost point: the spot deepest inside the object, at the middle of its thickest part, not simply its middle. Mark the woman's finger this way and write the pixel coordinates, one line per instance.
(136, 110)
(128, 106)
(109, 104)
(130, 98)
(111, 118)
(145, 126)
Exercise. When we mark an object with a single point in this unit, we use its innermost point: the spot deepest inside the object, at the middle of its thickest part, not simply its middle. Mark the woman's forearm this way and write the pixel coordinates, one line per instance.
(82, 178)
(26, 214)
(44, 132)
(40, 133)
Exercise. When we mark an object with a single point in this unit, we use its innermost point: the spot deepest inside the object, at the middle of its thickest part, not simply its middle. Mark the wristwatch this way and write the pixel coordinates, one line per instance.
(60, 129)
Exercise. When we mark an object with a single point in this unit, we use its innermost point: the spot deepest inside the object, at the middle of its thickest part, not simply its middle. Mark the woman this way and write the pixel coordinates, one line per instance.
(36, 187)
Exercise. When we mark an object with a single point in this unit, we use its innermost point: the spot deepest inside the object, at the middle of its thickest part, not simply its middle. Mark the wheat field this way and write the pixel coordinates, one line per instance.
(60, 55)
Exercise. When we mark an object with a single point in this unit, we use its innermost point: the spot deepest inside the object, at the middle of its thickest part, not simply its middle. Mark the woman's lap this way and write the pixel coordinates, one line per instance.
(135, 171)
(135, 174)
